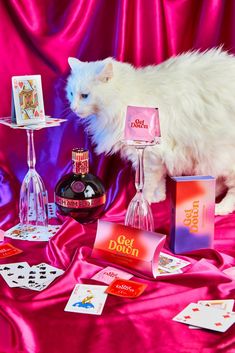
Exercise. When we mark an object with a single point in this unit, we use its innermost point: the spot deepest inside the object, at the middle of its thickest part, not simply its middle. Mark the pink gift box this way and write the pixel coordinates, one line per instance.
(130, 248)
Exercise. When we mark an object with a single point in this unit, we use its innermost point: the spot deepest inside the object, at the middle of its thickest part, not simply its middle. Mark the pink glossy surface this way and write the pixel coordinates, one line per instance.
(37, 37)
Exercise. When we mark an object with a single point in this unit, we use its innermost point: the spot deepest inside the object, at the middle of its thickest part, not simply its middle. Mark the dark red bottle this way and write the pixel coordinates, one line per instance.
(80, 194)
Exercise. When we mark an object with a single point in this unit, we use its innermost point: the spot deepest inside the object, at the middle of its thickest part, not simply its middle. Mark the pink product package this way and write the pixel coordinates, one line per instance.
(142, 124)
(192, 213)
(129, 248)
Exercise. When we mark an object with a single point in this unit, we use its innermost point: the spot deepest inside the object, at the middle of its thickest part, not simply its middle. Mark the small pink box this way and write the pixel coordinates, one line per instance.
(192, 213)
(142, 124)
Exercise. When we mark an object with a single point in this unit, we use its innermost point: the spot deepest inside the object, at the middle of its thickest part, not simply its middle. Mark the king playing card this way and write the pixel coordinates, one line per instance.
(27, 100)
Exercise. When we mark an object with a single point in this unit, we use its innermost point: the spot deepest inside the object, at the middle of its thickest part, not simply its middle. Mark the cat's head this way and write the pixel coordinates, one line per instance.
(88, 86)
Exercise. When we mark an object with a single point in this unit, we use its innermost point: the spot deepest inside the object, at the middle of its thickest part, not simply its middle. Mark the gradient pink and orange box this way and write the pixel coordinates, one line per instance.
(192, 213)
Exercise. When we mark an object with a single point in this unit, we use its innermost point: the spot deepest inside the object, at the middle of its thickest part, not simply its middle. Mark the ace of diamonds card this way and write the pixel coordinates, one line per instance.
(27, 100)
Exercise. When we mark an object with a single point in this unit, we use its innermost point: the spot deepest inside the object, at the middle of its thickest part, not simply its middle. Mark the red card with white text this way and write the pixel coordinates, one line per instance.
(7, 250)
(126, 288)
(128, 247)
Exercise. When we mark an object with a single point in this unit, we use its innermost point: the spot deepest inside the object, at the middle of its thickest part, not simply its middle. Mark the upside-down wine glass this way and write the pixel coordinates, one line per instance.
(33, 195)
(139, 214)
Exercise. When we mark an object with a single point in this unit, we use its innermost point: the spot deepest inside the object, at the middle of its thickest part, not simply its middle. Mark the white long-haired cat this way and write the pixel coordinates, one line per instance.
(195, 94)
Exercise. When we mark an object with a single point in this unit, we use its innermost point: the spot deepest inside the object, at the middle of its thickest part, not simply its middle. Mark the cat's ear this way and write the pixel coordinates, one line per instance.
(107, 73)
(74, 63)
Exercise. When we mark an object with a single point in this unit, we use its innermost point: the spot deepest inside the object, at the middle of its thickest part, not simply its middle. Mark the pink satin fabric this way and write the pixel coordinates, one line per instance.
(37, 37)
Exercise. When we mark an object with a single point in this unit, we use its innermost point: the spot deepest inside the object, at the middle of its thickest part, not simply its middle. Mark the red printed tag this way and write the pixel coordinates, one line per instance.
(7, 250)
(125, 288)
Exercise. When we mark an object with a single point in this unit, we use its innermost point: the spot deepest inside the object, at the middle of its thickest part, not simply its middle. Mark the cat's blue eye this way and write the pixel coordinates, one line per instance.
(84, 95)
(71, 94)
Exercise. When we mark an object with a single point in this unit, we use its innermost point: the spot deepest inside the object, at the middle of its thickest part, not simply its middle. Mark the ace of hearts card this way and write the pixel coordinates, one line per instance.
(27, 100)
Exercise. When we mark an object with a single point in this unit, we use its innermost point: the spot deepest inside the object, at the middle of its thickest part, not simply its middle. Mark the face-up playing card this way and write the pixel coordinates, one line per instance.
(108, 274)
(15, 274)
(40, 276)
(164, 272)
(51, 210)
(7, 250)
(171, 263)
(87, 299)
(206, 317)
(37, 277)
(32, 233)
(224, 304)
(27, 100)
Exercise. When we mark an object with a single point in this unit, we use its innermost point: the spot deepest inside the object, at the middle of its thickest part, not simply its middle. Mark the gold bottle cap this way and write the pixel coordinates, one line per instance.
(80, 154)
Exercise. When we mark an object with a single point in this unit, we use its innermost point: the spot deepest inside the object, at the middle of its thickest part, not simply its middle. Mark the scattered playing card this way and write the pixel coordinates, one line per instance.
(164, 272)
(32, 233)
(223, 304)
(37, 277)
(126, 288)
(7, 250)
(171, 263)
(2, 233)
(27, 100)
(87, 299)
(15, 273)
(206, 317)
(108, 274)
(40, 276)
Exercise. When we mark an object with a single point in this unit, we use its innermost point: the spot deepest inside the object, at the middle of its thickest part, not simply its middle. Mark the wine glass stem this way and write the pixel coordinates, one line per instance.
(139, 175)
(31, 157)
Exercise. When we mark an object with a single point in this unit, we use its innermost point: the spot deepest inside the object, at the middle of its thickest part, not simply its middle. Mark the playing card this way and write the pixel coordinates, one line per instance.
(224, 304)
(171, 263)
(163, 272)
(7, 250)
(15, 273)
(32, 233)
(51, 210)
(108, 274)
(40, 276)
(206, 317)
(27, 105)
(87, 299)
(49, 122)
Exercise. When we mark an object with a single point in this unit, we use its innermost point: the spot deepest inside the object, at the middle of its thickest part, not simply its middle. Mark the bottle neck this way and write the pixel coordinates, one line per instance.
(81, 167)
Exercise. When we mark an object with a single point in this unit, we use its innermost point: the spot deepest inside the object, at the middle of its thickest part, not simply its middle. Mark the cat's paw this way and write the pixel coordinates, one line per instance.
(223, 208)
(157, 196)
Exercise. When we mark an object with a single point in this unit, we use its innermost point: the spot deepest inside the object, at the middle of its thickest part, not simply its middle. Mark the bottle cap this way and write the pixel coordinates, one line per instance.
(79, 154)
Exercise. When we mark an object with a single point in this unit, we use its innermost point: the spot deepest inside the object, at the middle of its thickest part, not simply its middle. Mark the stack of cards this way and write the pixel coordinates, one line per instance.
(37, 277)
(170, 265)
(212, 315)
(33, 233)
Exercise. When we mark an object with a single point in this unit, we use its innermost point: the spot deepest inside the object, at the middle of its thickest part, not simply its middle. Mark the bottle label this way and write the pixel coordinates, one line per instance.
(77, 186)
(88, 203)
(81, 167)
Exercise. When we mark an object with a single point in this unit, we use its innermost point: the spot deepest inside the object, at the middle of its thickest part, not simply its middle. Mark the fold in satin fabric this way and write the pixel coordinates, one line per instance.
(37, 37)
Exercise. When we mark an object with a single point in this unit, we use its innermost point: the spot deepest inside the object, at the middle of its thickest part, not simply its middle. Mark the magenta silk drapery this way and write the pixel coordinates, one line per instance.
(37, 37)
